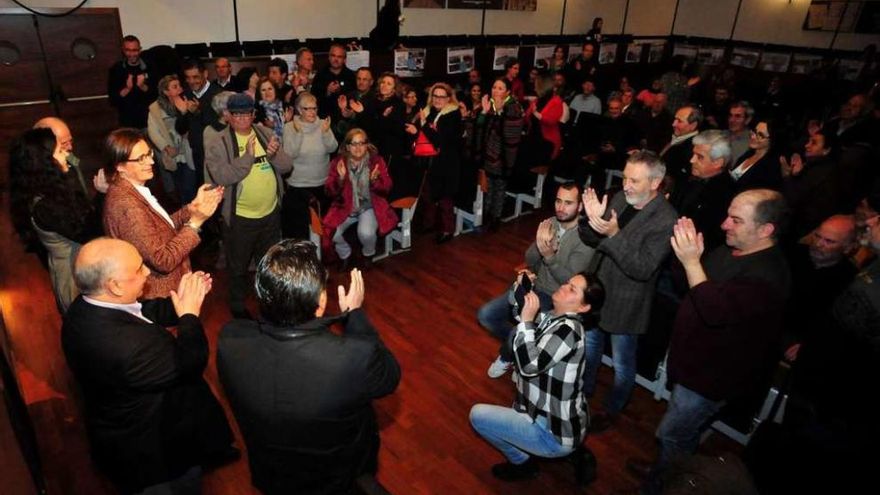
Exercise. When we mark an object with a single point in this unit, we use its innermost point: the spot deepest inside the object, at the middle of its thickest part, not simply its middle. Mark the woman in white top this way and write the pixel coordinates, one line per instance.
(310, 142)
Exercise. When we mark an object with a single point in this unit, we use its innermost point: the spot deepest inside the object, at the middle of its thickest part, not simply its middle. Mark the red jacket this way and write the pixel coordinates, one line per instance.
(341, 195)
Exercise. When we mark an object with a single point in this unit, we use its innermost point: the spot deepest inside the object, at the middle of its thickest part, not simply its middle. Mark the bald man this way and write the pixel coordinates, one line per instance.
(728, 325)
(65, 140)
(820, 272)
(151, 418)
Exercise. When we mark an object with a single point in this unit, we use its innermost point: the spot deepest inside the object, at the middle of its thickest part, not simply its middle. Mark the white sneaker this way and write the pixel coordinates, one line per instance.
(498, 368)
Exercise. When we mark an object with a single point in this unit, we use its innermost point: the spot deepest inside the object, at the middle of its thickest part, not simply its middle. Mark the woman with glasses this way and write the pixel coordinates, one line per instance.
(440, 124)
(309, 141)
(133, 214)
(357, 185)
(759, 167)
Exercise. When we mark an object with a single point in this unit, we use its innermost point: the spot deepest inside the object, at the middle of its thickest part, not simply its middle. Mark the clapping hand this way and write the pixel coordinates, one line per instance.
(592, 206)
(545, 240)
(192, 106)
(129, 82)
(355, 296)
(190, 293)
(288, 114)
(205, 203)
(484, 102)
(340, 170)
(608, 228)
(325, 124)
(273, 146)
(100, 181)
(374, 174)
(141, 82)
(356, 106)
(686, 242)
(411, 129)
(332, 88)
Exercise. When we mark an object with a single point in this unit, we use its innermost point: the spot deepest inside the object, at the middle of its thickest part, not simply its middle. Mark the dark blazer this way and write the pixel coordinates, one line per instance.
(303, 399)
(705, 201)
(194, 124)
(630, 261)
(765, 174)
(150, 415)
(445, 168)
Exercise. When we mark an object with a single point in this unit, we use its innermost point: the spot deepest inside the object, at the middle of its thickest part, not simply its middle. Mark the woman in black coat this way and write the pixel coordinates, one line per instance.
(440, 122)
(758, 168)
(383, 120)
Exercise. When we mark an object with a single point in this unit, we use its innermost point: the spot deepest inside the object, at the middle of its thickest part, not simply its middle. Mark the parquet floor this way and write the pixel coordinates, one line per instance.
(423, 304)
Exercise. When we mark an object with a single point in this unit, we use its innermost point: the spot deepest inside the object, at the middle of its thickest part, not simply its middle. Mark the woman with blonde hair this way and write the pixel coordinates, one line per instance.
(358, 184)
(175, 152)
(438, 147)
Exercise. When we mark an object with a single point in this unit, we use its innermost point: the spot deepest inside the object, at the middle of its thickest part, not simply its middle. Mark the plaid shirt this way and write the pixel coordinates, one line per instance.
(549, 363)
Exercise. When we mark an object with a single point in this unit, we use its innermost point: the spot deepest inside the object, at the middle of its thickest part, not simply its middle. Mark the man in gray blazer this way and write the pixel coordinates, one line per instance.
(631, 237)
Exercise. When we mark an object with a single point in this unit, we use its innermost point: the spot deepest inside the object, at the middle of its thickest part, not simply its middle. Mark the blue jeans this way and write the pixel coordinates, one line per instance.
(496, 316)
(686, 416)
(515, 434)
(623, 352)
(367, 232)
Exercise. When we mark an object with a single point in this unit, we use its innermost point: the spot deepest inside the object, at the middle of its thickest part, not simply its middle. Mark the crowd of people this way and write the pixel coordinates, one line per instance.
(746, 231)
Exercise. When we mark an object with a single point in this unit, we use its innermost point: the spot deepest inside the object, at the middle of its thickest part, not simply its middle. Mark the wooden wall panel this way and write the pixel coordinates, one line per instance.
(25, 80)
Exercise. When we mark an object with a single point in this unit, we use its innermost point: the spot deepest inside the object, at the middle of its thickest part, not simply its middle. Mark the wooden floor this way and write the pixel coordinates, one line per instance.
(423, 304)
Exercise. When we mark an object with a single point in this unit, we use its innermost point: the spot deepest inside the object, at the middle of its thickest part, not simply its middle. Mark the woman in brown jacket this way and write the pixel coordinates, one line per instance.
(133, 214)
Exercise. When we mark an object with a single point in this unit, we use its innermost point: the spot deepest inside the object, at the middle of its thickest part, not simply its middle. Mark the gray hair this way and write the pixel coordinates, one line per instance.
(718, 142)
(695, 115)
(656, 167)
(220, 101)
(90, 278)
(750, 110)
(302, 98)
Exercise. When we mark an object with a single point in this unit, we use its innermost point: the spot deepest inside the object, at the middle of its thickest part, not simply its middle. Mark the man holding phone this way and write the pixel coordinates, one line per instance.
(556, 255)
(248, 160)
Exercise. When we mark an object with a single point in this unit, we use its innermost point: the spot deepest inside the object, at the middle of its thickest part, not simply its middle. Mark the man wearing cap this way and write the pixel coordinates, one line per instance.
(248, 160)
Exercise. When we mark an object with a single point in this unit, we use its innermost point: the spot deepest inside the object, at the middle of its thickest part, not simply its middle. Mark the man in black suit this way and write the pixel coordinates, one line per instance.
(332, 81)
(303, 395)
(130, 85)
(151, 418)
(678, 151)
(199, 114)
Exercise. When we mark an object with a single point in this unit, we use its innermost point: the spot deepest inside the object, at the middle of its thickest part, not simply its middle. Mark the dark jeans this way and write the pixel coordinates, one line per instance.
(494, 200)
(295, 219)
(246, 239)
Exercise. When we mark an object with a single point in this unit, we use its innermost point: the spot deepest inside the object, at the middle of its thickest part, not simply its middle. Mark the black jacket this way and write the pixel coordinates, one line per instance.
(303, 399)
(149, 413)
(134, 106)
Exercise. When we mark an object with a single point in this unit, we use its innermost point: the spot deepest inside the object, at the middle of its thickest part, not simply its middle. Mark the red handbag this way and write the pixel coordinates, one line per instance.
(423, 146)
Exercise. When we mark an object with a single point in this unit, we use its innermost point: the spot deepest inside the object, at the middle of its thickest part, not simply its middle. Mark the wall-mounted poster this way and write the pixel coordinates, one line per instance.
(409, 62)
(543, 55)
(710, 55)
(502, 54)
(687, 51)
(775, 61)
(850, 69)
(607, 53)
(633, 53)
(805, 64)
(655, 52)
(424, 4)
(459, 60)
(290, 58)
(745, 58)
(828, 15)
(527, 5)
(356, 59)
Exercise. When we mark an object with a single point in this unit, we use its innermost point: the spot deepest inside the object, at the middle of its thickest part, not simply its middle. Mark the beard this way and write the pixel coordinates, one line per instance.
(563, 218)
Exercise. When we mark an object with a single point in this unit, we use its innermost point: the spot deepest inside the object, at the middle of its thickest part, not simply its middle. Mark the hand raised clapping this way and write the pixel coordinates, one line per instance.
(354, 298)
(686, 242)
(190, 293)
(594, 208)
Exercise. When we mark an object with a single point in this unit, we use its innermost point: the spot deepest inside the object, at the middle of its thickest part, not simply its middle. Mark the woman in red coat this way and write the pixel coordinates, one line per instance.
(550, 112)
(358, 184)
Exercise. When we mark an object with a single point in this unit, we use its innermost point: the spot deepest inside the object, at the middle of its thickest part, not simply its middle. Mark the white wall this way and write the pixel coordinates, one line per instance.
(188, 21)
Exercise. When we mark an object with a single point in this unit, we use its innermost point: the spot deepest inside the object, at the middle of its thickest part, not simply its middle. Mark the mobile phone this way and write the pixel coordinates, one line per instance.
(526, 283)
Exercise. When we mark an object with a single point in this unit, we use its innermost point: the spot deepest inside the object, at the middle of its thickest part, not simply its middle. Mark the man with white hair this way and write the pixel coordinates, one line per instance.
(64, 139)
(151, 418)
(631, 236)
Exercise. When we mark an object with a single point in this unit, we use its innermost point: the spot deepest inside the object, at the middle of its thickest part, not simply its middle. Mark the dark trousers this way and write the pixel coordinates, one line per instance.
(438, 211)
(246, 239)
(295, 218)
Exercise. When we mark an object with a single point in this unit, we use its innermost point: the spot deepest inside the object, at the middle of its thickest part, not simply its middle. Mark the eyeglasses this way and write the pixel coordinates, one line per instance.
(760, 135)
(242, 115)
(358, 143)
(142, 160)
(440, 97)
(309, 109)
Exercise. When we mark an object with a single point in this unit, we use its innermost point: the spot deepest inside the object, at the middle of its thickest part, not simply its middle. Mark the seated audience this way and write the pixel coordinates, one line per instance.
(811, 184)
(549, 417)
(654, 123)
(357, 186)
(739, 121)
(586, 102)
(314, 431)
(151, 418)
(759, 167)
(678, 151)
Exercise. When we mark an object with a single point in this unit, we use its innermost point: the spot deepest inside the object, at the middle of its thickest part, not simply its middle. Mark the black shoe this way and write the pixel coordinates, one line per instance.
(601, 421)
(584, 463)
(242, 314)
(640, 469)
(515, 472)
(221, 458)
(444, 238)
